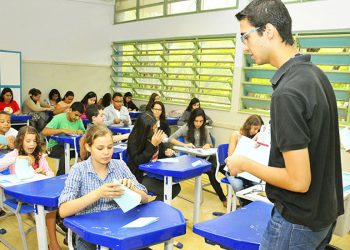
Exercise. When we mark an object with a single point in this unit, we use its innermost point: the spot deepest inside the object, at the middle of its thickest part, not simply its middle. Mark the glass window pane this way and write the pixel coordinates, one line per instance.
(125, 16)
(124, 4)
(218, 4)
(182, 7)
(153, 11)
(149, 2)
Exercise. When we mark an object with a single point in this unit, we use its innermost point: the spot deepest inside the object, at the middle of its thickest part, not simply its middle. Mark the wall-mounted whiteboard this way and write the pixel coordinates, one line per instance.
(10, 68)
(10, 72)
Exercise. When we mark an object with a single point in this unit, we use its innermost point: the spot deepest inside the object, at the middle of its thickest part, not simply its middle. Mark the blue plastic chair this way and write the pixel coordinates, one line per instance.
(18, 208)
(221, 155)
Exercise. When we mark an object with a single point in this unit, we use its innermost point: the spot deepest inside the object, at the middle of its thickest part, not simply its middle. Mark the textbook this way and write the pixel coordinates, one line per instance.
(22, 169)
(128, 200)
(3, 140)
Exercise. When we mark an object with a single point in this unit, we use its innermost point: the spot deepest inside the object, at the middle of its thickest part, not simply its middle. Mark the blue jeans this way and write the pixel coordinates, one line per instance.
(236, 183)
(281, 234)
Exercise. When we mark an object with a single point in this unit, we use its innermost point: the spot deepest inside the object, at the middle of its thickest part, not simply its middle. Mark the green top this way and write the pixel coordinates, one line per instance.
(61, 121)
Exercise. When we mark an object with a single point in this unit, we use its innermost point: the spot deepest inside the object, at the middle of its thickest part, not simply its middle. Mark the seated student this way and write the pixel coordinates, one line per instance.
(145, 145)
(194, 104)
(158, 111)
(154, 97)
(249, 129)
(116, 113)
(33, 106)
(88, 99)
(128, 103)
(28, 146)
(94, 113)
(196, 135)
(64, 104)
(90, 185)
(6, 130)
(54, 98)
(7, 103)
(106, 100)
(65, 123)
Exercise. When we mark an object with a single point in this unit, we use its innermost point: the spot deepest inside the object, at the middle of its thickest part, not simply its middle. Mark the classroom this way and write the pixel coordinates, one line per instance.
(188, 52)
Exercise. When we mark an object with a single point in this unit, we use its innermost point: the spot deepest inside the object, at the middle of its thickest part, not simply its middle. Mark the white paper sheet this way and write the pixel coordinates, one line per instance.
(141, 222)
(169, 160)
(345, 137)
(248, 148)
(128, 200)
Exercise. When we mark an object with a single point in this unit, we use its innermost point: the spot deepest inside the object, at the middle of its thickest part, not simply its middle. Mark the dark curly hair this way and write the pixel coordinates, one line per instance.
(20, 138)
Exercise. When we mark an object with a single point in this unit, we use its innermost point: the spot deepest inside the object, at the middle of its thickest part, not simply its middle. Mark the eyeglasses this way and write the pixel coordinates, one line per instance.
(245, 35)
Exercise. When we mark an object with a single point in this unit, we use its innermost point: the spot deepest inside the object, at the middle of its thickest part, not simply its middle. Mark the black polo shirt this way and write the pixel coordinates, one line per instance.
(304, 115)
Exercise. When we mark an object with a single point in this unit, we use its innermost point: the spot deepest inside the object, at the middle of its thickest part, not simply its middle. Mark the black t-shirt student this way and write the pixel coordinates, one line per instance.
(304, 115)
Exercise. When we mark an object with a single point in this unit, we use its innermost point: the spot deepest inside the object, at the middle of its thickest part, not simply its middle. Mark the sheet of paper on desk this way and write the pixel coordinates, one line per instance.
(128, 200)
(169, 160)
(11, 179)
(247, 147)
(141, 222)
(345, 137)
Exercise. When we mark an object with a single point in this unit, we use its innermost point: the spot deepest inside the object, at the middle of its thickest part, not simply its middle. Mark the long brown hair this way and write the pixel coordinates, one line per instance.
(253, 120)
(20, 138)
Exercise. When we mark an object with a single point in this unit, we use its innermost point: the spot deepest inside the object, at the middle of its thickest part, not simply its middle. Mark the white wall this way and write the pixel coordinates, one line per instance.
(66, 44)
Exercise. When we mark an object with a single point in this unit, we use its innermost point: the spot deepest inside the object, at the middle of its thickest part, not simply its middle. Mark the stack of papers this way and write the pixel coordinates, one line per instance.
(249, 148)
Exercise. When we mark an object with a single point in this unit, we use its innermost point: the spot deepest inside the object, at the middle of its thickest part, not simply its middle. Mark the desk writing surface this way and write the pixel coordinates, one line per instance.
(241, 229)
(116, 129)
(181, 170)
(196, 151)
(20, 118)
(105, 228)
(135, 114)
(64, 138)
(8, 180)
(44, 192)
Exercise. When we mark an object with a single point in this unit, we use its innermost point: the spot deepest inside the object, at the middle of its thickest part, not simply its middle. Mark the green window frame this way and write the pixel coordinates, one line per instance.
(330, 52)
(177, 69)
(135, 10)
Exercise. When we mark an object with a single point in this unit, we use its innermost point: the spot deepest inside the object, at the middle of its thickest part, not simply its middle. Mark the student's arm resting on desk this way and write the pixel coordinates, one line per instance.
(296, 176)
(56, 131)
(182, 131)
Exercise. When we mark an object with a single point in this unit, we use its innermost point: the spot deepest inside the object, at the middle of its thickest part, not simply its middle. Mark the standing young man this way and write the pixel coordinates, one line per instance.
(304, 178)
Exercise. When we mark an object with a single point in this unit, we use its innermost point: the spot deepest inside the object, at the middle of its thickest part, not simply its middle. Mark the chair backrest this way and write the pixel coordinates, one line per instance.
(221, 155)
